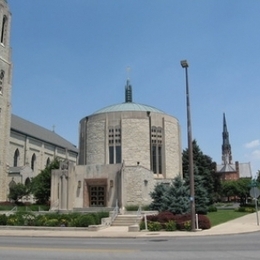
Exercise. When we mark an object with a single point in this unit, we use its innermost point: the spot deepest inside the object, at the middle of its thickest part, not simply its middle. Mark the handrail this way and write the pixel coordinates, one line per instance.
(28, 209)
(138, 213)
(13, 209)
(115, 212)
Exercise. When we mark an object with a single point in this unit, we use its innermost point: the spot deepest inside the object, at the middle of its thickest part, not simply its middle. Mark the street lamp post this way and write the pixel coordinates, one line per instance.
(185, 65)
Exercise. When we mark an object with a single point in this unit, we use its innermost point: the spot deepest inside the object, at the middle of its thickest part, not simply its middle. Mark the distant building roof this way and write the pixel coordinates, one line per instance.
(244, 169)
(23, 126)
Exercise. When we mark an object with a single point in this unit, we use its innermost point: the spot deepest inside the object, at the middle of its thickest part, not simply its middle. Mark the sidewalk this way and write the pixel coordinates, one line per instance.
(245, 224)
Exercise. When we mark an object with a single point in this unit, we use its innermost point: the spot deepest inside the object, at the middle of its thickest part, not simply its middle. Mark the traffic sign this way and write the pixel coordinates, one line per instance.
(254, 192)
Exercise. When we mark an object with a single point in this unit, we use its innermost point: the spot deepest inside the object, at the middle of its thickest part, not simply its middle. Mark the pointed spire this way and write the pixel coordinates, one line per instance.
(226, 147)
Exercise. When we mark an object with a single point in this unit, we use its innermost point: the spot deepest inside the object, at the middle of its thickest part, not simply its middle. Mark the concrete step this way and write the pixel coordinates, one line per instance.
(126, 220)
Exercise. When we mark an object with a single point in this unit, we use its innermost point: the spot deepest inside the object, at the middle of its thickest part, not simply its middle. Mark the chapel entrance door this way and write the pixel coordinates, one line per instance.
(97, 196)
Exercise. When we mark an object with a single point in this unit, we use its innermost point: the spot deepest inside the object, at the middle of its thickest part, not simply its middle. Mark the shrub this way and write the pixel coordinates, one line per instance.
(154, 226)
(3, 220)
(212, 209)
(12, 221)
(131, 207)
(170, 226)
(146, 207)
(187, 225)
(52, 223)
(21, 219)
(182, 222)
(29, 218)
(142, 225)
(152, 218)
(86, 220)
(165, 216)
(40, 220)
(245, 209)
(204, 222)
(101, 215)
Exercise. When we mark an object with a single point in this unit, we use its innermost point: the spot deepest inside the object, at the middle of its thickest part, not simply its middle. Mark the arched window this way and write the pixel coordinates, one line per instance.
(27, 181)
(12, 184)
(48, 161)
(16, 157)
(33, 161)
(4, 28)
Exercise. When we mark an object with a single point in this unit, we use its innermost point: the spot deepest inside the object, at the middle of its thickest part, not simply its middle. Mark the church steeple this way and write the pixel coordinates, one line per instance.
(226, 147)
(128, 92)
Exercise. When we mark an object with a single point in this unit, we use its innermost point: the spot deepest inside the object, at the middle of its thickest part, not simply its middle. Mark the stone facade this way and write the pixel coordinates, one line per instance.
(32, 148)
(44, 152)
(5, 95)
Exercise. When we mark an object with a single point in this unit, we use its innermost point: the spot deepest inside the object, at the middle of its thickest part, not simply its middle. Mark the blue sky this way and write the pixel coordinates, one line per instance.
(70, 59)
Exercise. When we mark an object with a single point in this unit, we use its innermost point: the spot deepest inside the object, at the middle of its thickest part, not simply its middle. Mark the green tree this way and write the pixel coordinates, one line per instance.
(237, 188)
(41, 184)
(201, 194)
(258, 176)
(203, 166)
(157, 196)
(17, 191)
(176, 198)
(229, 188)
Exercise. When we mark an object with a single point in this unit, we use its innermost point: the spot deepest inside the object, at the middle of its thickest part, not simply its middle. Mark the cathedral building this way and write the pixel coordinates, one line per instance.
(5, 95)
(228, 170)
(25, 148)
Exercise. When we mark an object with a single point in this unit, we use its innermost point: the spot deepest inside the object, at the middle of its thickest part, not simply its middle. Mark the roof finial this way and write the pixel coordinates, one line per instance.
(128, 88)
(128, 70)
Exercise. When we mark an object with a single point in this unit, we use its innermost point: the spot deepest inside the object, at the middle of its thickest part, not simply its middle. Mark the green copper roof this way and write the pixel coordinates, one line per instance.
(128, 106)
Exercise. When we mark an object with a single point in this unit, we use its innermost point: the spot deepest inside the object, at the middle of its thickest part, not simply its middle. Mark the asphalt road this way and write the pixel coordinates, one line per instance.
(244, 246)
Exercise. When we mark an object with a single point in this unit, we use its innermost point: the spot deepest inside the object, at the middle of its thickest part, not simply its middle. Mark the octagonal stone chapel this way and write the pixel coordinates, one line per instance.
(124, 150)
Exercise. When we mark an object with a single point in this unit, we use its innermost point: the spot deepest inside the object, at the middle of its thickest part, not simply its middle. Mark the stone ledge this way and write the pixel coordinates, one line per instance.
(134, 228)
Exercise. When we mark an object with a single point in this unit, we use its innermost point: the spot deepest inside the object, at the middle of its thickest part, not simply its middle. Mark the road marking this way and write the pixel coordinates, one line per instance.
(90, 250)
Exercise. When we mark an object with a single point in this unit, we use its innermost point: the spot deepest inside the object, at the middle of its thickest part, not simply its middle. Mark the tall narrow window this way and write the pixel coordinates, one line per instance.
(33, 161)
(111, 154)
(114, 143)
(154, 164)
(156, 150)
(3, 31)
(48, 161)
(2, 74)
(16, 157)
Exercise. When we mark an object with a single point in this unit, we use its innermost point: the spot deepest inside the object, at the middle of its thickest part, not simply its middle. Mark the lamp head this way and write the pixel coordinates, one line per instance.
(184, 63)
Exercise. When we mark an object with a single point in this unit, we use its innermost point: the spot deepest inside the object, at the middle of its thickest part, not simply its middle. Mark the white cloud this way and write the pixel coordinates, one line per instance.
(256, 155)
(253, 144)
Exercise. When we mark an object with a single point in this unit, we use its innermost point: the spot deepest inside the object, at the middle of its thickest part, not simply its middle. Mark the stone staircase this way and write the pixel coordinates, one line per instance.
(126, 220)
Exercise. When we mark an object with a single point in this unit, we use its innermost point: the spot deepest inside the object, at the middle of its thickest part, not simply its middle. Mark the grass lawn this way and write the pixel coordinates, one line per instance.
(224, 215)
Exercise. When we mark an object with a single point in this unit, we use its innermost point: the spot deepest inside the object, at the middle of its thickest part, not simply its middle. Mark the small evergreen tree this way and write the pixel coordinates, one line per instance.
(157, 195)
(177, 197)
